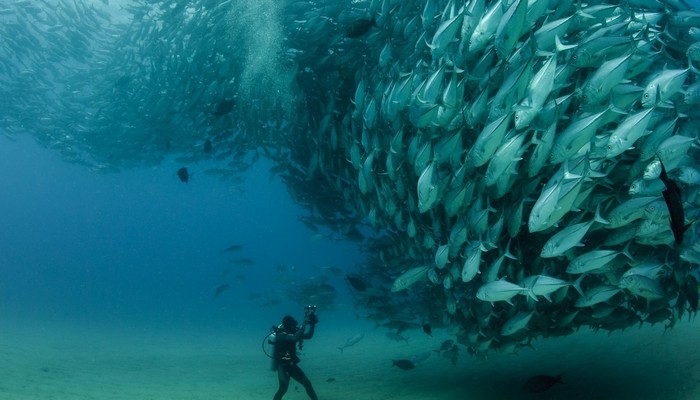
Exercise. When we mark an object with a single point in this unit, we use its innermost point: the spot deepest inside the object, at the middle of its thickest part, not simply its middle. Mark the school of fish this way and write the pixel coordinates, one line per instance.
(516, 169)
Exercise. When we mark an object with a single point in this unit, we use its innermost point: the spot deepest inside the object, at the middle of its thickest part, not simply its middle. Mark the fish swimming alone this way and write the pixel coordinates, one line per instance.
(220, 289)
(427, 329)
(183, 174)
(403, 364)
(233, 248)
(224, 107)
(356, 282)
(352, 341)
(540, 383)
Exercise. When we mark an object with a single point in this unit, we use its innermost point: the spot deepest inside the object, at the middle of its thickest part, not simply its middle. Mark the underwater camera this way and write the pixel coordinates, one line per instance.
(309, 310)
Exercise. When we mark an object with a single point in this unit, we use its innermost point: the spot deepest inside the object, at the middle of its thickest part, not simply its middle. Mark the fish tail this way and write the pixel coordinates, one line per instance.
(685, 228)
(599, 217)
(577, 284)
(561, 46)
(531, 294)
(626, 251)
(508, 253)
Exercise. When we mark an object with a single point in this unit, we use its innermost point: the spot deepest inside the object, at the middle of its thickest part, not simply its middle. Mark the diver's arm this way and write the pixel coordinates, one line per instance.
(288, 337)
(310, 333)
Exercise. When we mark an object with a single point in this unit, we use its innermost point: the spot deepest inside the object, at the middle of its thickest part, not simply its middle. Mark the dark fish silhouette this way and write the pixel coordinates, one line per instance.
(397, 337)
(540, 383)
(672, 196)
(220, 289)
(224, 108)
(232, 248)
(352, 341)
(359, 27)
(428, 329)
(356, 282)
(403, 364)
(183, 174)
(399, 326)
(208, 147)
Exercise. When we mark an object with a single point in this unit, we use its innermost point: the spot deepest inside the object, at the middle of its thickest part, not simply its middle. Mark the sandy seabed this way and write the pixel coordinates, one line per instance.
(64, 361)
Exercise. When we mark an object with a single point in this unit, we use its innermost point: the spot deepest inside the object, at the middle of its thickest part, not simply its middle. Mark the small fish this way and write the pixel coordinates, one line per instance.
(330, 380)
(359, 27)
(220, 289)
(232, 248)
(351, 341)
(403, 364)
(224, 107)
(183, 174)
(208, 147)
(356, 282)
(428, 329)
(409, 278)
(540, 383)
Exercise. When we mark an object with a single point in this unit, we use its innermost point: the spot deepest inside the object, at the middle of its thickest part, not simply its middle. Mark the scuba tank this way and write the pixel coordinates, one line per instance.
(270, 340)
(268, 344)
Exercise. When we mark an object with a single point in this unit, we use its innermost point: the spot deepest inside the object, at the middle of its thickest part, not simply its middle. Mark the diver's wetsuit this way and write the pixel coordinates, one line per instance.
(285, 361)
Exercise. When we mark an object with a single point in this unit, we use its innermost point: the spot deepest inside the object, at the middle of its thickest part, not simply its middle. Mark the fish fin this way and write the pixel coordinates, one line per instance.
(482, 247)
(626, 251)
(562, 47)
(508, 253)
(577, 284)
(599, 217)
(488, 206)
(523, 106)
(568, 174)
(531, 294)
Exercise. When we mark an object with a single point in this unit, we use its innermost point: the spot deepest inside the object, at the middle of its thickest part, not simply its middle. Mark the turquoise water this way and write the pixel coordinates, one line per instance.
(119, 280)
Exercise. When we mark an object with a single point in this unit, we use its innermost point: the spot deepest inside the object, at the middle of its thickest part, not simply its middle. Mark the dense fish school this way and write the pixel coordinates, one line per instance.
(525, 167)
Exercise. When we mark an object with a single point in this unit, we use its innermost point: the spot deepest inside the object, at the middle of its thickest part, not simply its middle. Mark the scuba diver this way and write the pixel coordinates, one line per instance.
(286, 338)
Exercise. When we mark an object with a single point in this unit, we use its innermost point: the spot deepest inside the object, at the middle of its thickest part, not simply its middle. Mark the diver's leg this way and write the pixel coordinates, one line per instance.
(283, 378)
(299, 375)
